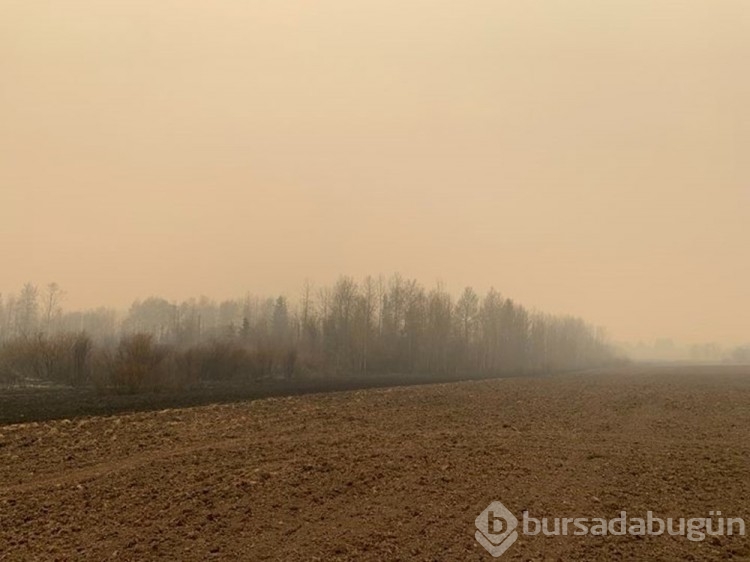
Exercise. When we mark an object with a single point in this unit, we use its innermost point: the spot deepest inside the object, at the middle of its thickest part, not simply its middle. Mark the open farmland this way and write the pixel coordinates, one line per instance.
(387, 474)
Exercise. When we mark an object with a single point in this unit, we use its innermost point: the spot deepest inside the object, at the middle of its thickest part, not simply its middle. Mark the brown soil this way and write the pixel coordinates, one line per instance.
(387, 474)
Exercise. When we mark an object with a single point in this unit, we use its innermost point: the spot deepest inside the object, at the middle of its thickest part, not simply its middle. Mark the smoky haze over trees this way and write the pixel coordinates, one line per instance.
(389, 326)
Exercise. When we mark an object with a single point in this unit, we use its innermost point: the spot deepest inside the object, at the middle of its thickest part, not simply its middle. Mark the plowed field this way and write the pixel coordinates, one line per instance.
(387, 474)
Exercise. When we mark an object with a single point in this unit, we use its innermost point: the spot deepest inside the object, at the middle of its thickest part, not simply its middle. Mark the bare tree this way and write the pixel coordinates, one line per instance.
(53, 296)
(27, 315)
(366, 314)
(467, 309)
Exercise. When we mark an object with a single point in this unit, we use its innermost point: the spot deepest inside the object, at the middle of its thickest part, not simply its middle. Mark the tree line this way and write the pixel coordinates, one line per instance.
(352, 328)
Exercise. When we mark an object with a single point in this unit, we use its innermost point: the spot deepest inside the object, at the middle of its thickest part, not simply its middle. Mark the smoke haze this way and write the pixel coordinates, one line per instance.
(583, 157)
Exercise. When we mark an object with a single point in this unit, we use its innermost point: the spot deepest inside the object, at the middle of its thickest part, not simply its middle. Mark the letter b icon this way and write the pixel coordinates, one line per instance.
(496, 529)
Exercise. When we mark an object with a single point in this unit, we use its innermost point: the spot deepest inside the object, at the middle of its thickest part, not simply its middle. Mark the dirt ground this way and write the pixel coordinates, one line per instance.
(387, 474)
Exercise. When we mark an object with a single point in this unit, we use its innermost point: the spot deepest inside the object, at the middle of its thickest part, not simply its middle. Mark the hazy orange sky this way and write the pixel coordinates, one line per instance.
(583, 157)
